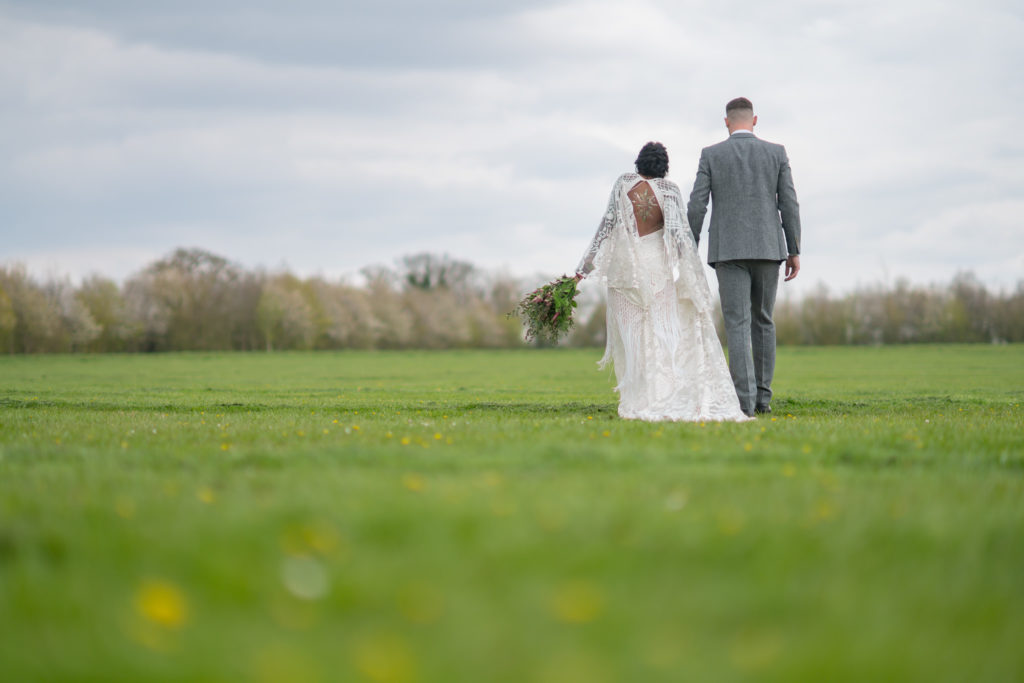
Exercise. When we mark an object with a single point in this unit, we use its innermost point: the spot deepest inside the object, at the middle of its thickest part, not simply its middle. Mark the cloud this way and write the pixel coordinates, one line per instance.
(336, 135)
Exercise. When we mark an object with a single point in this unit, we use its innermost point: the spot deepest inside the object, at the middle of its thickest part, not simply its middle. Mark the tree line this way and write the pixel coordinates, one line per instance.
(195, 300)
(964, 311)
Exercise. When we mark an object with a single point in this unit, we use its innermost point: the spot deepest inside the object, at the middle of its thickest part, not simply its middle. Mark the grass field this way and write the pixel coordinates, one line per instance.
(485, 516)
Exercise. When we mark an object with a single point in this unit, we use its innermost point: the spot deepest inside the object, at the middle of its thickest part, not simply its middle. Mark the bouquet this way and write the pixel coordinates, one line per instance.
(547, 311)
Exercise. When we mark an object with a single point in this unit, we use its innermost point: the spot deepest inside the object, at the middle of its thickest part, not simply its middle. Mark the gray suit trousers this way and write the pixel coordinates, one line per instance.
(747, 290)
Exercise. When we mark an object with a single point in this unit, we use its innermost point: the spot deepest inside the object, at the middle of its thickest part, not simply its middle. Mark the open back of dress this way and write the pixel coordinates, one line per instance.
(646, 209)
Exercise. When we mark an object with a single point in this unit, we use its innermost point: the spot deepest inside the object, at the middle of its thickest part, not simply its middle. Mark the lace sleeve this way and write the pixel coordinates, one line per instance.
(604, 230)
(691, 270)
(675, 220)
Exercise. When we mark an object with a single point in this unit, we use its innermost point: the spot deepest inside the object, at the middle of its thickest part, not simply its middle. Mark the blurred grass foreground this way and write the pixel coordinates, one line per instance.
(485, 516)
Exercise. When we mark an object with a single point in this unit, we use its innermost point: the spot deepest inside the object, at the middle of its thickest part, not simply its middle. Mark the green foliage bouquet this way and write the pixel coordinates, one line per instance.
(547, 311)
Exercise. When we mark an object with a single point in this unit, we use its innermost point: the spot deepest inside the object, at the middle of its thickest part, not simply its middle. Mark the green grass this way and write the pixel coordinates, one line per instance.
(485, 516)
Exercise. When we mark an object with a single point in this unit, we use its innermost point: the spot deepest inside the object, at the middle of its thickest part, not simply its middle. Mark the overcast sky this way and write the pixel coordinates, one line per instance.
(324, 136)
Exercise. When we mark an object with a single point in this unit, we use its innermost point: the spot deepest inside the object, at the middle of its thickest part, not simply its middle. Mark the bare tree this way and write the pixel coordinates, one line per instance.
(429, 272)
(503, 293)
(192, 291)
(78, 328)
(38, 327)
(439, 319)
(395, 322)
(1008, 316)
(592, 330)
(106, 305)
(284, 317)
(346, 317)
(8, 321)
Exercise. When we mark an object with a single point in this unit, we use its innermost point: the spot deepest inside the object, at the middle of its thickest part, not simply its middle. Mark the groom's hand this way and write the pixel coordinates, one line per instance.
(792, 266)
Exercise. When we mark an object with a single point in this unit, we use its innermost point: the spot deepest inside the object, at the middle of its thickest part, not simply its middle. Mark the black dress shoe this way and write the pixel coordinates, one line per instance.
(763, 410)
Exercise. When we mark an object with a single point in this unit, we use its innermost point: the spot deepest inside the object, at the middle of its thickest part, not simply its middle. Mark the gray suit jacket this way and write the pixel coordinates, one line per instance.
(754, 212)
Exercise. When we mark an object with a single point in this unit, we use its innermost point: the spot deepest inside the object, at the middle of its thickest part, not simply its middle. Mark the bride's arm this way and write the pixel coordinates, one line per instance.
(604, 230)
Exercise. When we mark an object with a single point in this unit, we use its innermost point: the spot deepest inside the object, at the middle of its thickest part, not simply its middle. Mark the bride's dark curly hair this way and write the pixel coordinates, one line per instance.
(652, 160)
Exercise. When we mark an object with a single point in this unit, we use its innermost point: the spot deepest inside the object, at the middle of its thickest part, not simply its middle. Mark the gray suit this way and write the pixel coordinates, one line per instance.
(755, 224)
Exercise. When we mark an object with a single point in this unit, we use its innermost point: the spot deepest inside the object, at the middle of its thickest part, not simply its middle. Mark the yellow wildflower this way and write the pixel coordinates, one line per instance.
(413, 482)
(162, 603)
(578, 602)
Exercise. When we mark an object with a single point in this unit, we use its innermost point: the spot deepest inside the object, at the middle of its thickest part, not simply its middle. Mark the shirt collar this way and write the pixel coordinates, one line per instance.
(741, 132)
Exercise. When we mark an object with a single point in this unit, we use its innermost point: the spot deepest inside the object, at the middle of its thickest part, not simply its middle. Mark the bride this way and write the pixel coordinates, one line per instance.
(661, 338)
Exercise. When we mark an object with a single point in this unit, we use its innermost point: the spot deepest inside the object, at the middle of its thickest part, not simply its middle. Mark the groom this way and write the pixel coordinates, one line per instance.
(755, 226)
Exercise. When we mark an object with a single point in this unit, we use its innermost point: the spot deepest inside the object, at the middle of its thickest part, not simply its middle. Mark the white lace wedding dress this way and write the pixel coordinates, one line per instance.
(661, 337)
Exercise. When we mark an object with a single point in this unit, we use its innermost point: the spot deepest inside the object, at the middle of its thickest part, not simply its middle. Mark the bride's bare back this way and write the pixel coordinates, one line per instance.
(649, 217)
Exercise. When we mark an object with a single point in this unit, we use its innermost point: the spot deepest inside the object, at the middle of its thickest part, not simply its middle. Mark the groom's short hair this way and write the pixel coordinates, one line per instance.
(739, 108)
